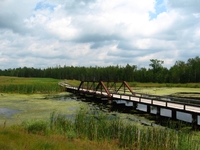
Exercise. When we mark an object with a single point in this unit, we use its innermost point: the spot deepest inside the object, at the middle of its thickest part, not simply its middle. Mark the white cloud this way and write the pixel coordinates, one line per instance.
(46, 33)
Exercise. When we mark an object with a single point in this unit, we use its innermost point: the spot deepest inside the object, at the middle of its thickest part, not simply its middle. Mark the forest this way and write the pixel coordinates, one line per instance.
(180, 72)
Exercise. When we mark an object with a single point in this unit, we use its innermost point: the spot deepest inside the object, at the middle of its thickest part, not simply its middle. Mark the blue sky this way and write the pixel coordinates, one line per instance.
(47, 33)
(42, 5)
(160, 7)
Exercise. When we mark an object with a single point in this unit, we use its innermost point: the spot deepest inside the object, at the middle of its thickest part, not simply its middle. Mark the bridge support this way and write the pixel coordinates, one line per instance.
(173, 114)
(158, 113)
(194, 121)
(148, 109)
(135, 105)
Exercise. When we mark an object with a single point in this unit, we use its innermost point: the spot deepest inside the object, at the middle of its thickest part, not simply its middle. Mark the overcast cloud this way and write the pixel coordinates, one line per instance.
(47, 33)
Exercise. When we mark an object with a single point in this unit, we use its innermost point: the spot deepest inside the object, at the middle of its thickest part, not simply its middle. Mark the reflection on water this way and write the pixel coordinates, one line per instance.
(7, 112)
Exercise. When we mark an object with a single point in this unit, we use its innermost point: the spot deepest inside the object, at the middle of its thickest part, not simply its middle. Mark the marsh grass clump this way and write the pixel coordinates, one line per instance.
(96, 126)
(36, 127)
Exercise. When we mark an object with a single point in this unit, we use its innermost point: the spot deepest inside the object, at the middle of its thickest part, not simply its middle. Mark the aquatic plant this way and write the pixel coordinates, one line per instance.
(98, 127)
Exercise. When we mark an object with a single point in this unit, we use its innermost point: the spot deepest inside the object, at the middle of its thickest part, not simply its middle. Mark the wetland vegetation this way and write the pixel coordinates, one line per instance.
(51, 119)
(95, 129)
(29, 85)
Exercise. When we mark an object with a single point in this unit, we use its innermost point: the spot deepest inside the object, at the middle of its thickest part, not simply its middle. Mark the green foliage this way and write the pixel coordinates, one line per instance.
(35, 127)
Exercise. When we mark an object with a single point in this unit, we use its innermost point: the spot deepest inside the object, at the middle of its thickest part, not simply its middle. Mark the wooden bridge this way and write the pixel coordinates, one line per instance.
(107, 90)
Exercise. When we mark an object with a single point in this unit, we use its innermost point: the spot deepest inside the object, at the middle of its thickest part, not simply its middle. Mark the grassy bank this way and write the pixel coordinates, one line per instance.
(29, 85)
(95, 129)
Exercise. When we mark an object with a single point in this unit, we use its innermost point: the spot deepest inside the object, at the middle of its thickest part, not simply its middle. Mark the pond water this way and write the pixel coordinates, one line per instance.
(7, 112)
(18, 108)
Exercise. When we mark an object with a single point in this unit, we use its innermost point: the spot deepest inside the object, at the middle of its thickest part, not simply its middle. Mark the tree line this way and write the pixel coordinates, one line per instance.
(180, 72)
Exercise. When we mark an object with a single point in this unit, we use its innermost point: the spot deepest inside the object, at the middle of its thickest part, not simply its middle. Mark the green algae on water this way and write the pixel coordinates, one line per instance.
(35, 107)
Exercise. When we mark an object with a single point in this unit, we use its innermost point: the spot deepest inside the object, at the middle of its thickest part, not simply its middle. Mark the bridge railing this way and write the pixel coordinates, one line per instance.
(187, 107)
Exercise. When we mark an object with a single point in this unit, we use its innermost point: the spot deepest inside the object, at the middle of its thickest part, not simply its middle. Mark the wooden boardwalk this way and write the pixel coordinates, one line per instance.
(124, 92)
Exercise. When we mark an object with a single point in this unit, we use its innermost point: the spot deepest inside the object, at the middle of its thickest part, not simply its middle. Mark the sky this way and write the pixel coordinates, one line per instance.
(48, 33)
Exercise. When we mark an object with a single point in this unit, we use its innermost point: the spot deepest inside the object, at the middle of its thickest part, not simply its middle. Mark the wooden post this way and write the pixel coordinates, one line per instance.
(148, 109)
(174, 114)
(158, 113)
(135, 105)
(194, 121)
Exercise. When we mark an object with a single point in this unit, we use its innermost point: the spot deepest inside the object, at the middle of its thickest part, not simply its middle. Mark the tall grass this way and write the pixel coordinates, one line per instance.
(29, 85)
(30, 88)
(98, 127)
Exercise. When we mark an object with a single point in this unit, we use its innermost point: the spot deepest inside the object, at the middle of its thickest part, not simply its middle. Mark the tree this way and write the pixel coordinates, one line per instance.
(156, 65)
(157, 68)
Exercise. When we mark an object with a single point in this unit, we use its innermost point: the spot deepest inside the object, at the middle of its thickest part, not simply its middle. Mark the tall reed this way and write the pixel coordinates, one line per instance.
(97, 126)
(30, 88)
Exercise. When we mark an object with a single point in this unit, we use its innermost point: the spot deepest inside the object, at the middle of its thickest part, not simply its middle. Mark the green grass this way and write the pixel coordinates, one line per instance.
(93, 130)
(95, 126)
(29, 85)
(17, 138)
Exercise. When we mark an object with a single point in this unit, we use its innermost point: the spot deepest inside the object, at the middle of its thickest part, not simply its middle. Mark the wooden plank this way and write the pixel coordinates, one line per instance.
(125, 97)
(144, 100)
(137, 99)
(192, 108)
(176, 106)
(116, 96)
(160, 103)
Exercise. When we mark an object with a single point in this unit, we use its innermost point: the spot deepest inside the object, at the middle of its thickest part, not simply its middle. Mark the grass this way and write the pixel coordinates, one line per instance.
(29, 85)
(18, 138)
(93, 130)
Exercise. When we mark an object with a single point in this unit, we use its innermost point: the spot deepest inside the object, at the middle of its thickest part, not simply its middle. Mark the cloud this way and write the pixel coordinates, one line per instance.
(186, 6)
(45, 33)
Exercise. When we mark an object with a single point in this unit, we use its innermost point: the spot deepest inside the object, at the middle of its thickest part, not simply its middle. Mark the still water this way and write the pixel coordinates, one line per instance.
(40, 108)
